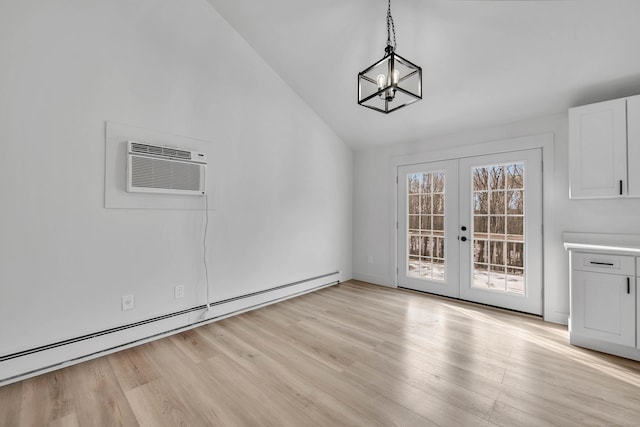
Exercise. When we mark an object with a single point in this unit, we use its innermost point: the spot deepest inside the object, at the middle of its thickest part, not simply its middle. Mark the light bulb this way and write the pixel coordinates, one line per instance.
(395, 77)
(382, 81)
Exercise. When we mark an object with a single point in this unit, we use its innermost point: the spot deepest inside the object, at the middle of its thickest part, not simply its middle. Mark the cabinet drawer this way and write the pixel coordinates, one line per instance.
(600, 263)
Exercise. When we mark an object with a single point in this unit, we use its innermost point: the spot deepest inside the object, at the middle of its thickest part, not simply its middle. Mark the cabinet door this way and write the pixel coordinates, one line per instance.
(633, 144)
(598, 150)
(603, 307)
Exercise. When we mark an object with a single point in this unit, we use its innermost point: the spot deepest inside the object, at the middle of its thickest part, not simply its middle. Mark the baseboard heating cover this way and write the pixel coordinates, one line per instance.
(39, 360)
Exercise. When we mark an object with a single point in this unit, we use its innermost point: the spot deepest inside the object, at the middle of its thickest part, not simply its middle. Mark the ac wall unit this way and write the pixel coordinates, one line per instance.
(165, 170)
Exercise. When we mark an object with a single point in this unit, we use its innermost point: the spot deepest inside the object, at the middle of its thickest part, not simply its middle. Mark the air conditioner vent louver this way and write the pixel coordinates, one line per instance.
(156, 173)
(136, 147)
(152, 149)
(156, 169)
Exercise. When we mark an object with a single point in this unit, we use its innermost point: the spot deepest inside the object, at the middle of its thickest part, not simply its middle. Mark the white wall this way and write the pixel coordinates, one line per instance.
(283, 208)
(374, 204)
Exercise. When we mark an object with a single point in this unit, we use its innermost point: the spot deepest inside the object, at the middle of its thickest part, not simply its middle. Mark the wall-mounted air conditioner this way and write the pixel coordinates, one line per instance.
(165, 170)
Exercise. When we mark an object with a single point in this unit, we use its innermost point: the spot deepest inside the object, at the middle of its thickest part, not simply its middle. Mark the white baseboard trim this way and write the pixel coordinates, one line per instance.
(556, 317)
(375, 280)
(605, 347)
(28, 364)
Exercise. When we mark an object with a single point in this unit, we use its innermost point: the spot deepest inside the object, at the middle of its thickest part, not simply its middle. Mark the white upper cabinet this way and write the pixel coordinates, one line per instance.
(598, 150)
(633, 144)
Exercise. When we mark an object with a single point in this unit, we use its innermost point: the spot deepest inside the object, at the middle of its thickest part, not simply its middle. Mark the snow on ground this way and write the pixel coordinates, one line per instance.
(509, 283)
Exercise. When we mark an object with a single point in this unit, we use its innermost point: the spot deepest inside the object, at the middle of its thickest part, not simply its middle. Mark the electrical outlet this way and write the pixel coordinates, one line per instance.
(370, 259)
(128, 302)
(178, 292)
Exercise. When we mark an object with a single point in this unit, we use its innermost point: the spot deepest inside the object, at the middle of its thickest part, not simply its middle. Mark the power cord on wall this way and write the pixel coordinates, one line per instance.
(204, 254)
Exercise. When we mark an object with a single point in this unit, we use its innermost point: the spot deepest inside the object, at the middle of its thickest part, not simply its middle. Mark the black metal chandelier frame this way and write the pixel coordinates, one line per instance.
(392, 82)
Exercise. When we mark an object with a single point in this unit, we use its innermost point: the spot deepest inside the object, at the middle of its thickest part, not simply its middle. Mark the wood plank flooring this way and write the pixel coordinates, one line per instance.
(353, 354)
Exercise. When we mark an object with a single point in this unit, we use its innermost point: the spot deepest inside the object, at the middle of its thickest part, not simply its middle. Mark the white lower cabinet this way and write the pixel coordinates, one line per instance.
(603, 303)
(603, 309)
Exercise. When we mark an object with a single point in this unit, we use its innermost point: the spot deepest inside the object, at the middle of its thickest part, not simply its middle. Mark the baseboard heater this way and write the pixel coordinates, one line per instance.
(217, 311)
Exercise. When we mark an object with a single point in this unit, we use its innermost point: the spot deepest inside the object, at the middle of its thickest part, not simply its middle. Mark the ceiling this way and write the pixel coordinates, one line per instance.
(484, 62)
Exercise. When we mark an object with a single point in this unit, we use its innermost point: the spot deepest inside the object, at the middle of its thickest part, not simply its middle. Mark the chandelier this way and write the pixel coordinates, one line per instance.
(392, 82)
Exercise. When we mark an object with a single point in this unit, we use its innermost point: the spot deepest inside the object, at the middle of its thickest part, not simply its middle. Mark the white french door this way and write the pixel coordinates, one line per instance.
(428, 220)
(501, 207)
(471, 228)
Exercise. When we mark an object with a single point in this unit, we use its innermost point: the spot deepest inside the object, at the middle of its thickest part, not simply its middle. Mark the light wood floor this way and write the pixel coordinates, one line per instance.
(353, 354)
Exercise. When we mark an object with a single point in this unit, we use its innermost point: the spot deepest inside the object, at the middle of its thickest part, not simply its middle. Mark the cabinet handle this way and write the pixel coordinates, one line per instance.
(621, 187)
(628, 285)
(601, 263)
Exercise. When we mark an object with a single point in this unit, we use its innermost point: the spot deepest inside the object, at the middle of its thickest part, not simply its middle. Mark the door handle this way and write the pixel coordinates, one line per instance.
(463, 238)
(628, 285)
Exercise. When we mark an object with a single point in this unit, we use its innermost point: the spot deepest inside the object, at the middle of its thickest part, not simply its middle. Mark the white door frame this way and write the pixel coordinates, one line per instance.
(544, 141)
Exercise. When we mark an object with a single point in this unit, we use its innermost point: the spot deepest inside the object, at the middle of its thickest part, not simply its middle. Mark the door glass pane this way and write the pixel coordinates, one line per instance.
(498, 227)
(425, 225)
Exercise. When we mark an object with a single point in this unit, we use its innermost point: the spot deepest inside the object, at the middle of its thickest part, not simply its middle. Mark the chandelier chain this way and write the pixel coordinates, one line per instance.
(391, 82)
(391, 28)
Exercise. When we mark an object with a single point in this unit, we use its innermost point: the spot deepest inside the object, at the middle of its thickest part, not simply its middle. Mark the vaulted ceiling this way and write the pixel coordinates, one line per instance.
(484, 62)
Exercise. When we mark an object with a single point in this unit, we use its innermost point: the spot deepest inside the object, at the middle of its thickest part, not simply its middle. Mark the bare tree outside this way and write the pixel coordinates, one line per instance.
(498, 227)
(426, 223)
